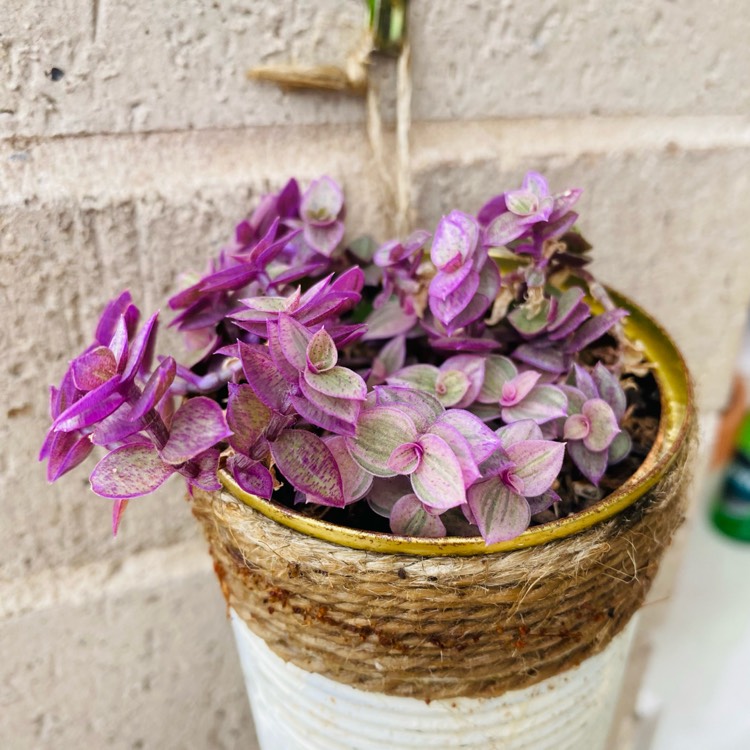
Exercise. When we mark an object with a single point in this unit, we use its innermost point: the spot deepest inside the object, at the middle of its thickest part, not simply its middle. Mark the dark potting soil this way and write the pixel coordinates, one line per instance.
(576, 493)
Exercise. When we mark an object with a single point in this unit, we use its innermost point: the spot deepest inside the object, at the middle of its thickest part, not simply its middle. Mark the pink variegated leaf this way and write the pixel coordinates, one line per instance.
(157, 385)
(338, 382)
(461, 448)
(503, 229)
(545, 358)
(610, 389)
(197, 426)
(473, 367)
(445, 283)
(316, 416)
(591, 465)
(421, 407)
(603, 424)
(422, 377)
(409, 518)
(384, 494)
(577, 427)
(405, 458)
(564, 306)
(448, 309)
(454, 241)
(584, 382)
(481, 439)
(537, 464)
(438, 481)
(321, 352)
(324, 239)
(388, 361)
(516, 389)
(544, 403)
(528, 320)
(285, 369)
(451, 386)
(247, 417)
(344, 409)
(380, 430)
(388, 321)
(500, 513)
(130, 471)
(307, 462)
(525, 429)
(498, 370)
(619, 448)
(356, 482)
(293, 340)
(322, 202)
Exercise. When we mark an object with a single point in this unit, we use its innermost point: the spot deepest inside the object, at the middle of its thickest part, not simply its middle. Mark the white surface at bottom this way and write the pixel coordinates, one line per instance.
(298, 710)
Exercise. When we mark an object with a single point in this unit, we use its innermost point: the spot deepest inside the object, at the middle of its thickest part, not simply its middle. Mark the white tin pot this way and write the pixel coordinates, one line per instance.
(298, 710)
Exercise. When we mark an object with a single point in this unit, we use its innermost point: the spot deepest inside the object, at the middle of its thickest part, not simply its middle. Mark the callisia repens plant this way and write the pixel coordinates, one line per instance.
(439, 379)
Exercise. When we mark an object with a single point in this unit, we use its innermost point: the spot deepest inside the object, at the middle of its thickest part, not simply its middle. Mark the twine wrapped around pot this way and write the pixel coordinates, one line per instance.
(441, 627)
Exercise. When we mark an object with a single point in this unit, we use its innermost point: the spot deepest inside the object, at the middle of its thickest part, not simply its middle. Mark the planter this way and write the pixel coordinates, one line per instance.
(448, 642)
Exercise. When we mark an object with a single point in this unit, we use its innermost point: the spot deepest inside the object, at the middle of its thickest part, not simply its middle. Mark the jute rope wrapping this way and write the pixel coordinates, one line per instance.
(441, 627)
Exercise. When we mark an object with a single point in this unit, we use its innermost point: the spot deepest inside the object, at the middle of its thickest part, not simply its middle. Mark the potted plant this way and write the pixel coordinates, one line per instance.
(436, 475)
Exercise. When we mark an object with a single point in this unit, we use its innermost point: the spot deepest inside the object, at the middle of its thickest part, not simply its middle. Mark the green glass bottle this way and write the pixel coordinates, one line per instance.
(731, 510)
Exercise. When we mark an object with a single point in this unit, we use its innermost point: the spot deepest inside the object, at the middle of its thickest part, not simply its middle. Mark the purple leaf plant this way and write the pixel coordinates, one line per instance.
(439, 380)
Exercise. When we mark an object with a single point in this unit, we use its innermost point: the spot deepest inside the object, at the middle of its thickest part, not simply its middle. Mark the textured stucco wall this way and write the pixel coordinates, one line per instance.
(140, 158)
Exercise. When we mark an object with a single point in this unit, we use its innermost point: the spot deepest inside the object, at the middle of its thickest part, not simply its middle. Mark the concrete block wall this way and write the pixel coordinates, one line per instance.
(135, 157)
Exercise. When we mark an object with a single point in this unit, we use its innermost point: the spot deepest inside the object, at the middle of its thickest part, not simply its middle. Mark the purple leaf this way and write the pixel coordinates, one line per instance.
(594, 328)
(542, 502)
(380, 430)
(121, 306)
(251, 475)
(247, 417)
(197, 425)
(316, 416)
(537, 464)
(94, 368)
(500, 513)
(117, 426)
(130, 471)
(118, 344)
(91, 408)
(264, 378)
(548, 359)
(389, 360)
(409, 518)
(158, 384)
(584, 382)
(142, 350)
(307, 462)
(207, 464)
(448, 309)
(518, 388)
(443, 283)
(438, 480)
(504, 229)
(66, 451)
(564, 306)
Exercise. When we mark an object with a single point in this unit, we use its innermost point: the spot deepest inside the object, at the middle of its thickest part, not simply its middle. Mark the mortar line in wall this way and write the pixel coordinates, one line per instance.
(732, 129)
(78, 585)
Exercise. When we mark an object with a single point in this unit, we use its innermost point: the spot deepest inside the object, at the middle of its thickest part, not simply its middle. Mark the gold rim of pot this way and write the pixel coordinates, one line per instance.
(676, 396)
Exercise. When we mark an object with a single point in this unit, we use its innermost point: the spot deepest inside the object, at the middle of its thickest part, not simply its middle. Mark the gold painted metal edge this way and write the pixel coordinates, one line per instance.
(677, 407)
